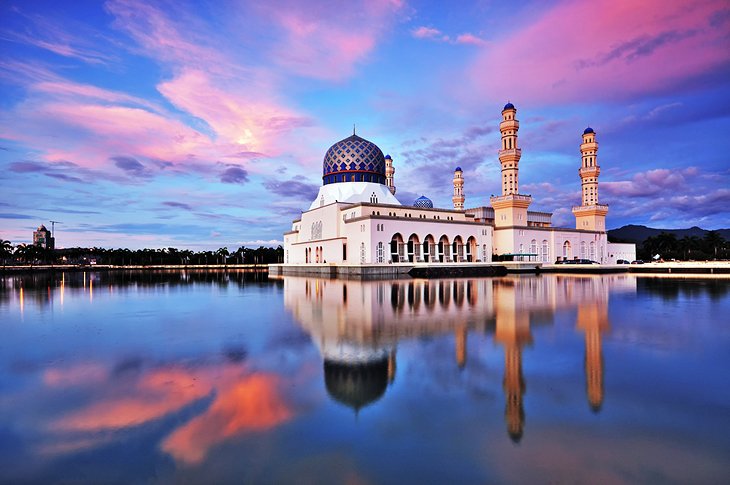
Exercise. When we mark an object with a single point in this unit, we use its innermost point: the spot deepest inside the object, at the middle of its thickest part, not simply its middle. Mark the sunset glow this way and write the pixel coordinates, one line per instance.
(201, 125)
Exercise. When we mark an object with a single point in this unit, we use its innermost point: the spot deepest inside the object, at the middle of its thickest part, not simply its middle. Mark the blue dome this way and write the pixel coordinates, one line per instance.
(423, 202)
(388, 157)
(588, 131)
(458, 169)
(508, 106)
(353, 159)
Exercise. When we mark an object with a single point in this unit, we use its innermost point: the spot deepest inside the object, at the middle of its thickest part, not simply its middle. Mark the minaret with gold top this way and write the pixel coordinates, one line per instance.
(590, 215)
(458, 198)
(510, 209)
(389, 174)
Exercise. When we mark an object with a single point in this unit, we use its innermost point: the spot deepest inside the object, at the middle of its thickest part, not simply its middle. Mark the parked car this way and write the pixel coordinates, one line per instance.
(622, 261)
(637, 261)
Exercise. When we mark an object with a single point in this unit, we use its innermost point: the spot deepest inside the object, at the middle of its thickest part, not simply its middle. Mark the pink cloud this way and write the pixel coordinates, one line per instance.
(243, 123)
(325, 41)
(468, 38)
(61, 88)
(426, 33)
(164, 38)
(100, 131)
(604, 49)
(649, 183)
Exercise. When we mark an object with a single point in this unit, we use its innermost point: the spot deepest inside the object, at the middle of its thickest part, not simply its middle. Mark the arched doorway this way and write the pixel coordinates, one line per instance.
(471, 249)
(397, 248)
(457, 250)
(443, 249)
(429, 249)
(414, 248)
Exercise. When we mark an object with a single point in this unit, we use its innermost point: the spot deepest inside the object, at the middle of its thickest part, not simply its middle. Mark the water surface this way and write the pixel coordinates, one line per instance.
(235, 378)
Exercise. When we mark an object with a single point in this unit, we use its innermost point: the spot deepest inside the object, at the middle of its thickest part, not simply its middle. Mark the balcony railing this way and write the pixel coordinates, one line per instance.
(595, 169)
(500, 198)
(587, 208)
(511, 151)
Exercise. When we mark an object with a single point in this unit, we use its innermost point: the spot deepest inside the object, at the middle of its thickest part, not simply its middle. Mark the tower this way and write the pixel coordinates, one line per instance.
(389, 173)
(458, 197)
(590, 215)
(510, 209)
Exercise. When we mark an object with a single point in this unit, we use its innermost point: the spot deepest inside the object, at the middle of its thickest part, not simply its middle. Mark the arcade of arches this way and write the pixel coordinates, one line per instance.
(428, 249)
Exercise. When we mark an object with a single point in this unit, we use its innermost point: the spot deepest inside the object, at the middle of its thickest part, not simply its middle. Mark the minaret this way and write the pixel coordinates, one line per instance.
(509, 155)
(458, 197)
(389, 173)
(590, 215)
(510, 209)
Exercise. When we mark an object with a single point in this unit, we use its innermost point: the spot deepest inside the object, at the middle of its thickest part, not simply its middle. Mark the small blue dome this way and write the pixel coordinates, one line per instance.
(423, 202)
(588, 131)
(508, 106)
(388, 157)
(458, 169)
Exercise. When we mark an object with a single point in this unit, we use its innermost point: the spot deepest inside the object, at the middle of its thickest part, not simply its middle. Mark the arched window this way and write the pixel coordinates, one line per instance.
(545, 251)
(381, 252)
(582, 250)
(566, 249)
(592, 253)
(533, 246)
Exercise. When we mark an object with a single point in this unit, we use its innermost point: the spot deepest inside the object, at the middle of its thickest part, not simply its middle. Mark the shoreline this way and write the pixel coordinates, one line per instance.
(402, 269)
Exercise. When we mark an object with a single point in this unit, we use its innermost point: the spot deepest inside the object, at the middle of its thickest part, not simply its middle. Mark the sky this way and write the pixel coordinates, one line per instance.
(203, 124)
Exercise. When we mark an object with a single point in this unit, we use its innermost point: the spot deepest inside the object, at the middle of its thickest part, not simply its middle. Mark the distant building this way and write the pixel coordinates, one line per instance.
(42, 237)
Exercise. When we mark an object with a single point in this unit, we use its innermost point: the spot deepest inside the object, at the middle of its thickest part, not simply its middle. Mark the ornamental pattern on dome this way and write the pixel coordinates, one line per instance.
(353, 159)
(423, 202)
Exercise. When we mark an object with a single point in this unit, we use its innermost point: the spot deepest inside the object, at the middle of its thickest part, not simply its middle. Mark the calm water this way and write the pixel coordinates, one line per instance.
(235, 378)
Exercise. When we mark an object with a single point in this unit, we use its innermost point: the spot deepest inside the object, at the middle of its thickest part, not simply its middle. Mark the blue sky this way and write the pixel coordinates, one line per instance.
(204, 124)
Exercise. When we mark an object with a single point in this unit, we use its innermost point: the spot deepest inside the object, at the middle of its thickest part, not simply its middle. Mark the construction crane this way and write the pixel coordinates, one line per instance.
(53, 231)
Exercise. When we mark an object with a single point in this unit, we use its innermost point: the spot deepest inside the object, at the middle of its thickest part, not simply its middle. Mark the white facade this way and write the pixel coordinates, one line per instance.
(367, 233)
(356, 219)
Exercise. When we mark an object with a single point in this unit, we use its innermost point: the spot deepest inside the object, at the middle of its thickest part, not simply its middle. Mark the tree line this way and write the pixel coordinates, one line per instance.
(667, 246)
(32, 254)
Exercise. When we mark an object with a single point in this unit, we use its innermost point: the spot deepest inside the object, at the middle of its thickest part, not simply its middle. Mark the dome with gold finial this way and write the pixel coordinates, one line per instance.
(353, 159)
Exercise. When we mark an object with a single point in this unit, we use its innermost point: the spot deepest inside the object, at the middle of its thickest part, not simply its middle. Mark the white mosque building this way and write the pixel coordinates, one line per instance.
(356, 220)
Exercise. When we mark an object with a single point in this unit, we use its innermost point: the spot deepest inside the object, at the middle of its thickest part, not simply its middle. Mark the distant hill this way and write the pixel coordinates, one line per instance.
(638, 234)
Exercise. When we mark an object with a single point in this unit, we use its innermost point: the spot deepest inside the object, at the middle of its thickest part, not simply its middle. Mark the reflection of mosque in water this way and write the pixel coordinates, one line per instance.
(357, 325)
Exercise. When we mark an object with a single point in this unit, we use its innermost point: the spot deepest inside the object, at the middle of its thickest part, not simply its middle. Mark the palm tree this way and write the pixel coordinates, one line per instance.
(27, 252)
(6, 249)
(713, 241)
(222, 253)
(665, 243)
(688, 244)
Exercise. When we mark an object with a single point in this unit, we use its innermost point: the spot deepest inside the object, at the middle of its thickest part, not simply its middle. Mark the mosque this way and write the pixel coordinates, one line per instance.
(356, 220)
